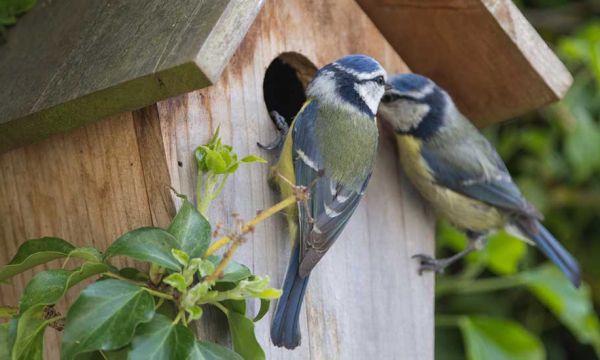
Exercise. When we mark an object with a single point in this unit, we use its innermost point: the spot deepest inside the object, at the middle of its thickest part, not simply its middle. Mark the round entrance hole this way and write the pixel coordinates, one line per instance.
(285, 83)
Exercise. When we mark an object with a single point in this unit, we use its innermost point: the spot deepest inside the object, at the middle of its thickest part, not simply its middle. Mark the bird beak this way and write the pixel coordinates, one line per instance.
(387, 87)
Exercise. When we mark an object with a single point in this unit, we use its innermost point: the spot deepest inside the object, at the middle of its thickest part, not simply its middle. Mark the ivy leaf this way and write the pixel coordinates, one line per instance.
(177, 281)
(29, 339)
(47, 287)
(134, 274)
(243, 336)
(504, 252)
(253, 159)
(573, 307)
(264, 309)
(146, 244)
(87, 253)
(233, 272)
(499, 339)
(191, 230)
(161, 339)
(104, 317)
(4, 343)
(215, 162)
(211, 351)
(35, 252)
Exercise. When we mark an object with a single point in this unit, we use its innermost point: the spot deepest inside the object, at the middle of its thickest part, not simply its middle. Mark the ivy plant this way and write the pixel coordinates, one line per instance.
(135, 314)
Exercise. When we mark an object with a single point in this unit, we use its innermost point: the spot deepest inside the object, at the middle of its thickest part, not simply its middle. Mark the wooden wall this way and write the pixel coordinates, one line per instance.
(90, 185)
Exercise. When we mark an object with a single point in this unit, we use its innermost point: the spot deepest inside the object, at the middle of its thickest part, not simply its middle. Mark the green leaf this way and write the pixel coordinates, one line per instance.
(180, 256)
(161, 339)
(147, 244)
(47, 287)
(264, 309)
(210, 351)
(29, 340)
(191, 230)
(499, 339)
(177, 281)
(215, 162)
(105, 316)
(252, 159)
(233, 272)
(4, 343)
(87, 253)
(35, 252)
(573, 307)
(7, 312)
(504, 252)
(243, 336)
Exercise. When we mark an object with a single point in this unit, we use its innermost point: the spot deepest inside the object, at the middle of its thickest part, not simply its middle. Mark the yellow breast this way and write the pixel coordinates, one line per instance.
(460, 210)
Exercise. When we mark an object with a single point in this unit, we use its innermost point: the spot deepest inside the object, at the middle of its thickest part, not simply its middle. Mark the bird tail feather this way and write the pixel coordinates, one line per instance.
(552, 249)
(285, 327)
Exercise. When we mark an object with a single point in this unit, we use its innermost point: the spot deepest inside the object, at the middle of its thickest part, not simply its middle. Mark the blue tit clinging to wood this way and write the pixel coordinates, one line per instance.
(331, 145)
(459, 173)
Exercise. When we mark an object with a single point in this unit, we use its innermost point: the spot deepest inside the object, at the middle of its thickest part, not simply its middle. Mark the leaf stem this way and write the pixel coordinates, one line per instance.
(158, 294)
(221, 307)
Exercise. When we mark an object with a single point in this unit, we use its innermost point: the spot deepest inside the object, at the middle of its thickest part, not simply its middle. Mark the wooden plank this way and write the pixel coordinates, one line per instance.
(484, 52)
(86, 186)
(367, 287)
(70, 62)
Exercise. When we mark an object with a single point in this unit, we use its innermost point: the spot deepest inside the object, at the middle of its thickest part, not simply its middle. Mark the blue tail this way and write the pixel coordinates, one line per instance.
(554, 251)
(285, 328)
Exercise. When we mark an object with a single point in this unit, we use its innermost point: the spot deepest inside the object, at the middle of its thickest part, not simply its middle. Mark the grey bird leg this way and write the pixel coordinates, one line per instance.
(282, 128)
(428, 263)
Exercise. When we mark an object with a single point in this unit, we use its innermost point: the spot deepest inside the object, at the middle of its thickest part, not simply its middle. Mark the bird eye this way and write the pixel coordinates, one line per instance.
(379, 80)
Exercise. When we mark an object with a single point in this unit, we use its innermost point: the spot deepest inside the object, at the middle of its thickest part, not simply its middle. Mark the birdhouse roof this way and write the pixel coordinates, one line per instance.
(71, 62)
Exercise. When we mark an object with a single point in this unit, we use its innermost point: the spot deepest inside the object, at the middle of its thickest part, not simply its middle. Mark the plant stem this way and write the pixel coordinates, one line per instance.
(477, 286)
(158, 294)
(221, 307)
(250, 225)
(178, 317)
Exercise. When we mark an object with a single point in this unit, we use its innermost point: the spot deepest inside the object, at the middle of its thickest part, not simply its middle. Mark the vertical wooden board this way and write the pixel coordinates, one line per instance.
(365, 298)
(86, 186)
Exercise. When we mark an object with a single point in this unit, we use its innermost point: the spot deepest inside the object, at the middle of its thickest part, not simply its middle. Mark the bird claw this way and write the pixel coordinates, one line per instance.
(429, 263)
(282, 128)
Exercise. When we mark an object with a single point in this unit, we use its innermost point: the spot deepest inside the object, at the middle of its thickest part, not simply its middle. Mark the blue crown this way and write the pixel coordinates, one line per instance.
(409, 82)
(359, 63)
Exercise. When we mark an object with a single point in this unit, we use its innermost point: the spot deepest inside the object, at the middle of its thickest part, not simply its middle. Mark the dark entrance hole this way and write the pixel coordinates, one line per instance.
(285, 82)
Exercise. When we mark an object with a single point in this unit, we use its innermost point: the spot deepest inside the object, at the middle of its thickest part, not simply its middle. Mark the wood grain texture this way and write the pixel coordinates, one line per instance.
(71, 62)
(88, 186)
(484, 52)
(365, 299)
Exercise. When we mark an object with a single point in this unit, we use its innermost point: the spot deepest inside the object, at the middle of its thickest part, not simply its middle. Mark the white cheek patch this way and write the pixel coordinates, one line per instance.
(370, 92)
(404, 115)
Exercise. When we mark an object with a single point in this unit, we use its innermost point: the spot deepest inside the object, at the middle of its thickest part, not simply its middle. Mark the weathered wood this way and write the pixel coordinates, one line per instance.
(70, 62)
(365, 299)
(86, 186)
(484, 52)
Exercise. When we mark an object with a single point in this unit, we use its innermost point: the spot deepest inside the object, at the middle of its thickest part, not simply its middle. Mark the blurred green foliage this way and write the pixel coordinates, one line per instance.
(9, 10)
(507, 302)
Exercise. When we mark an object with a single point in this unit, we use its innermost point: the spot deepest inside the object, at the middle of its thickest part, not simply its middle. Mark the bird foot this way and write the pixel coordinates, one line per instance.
(282, 128)
(429, 263)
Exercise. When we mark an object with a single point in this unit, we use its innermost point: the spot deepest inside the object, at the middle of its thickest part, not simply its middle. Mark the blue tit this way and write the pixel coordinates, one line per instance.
(459, 172)
(330, 149)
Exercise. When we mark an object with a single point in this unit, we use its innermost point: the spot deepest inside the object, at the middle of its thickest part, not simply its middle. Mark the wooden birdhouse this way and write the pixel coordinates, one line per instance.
(103, 102)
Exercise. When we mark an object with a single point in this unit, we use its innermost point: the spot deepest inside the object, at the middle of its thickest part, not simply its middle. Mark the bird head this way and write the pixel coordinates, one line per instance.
(354, 82)
(415, 105)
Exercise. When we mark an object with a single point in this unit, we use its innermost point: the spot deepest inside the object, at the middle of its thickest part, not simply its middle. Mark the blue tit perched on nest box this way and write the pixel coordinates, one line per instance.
(459, 173)
(330, 149)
